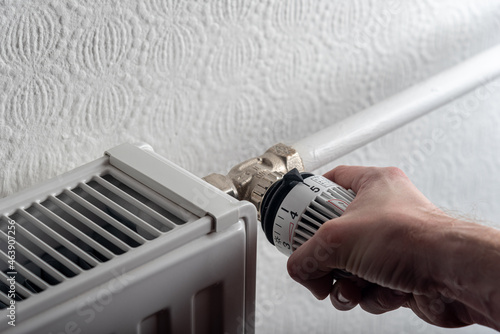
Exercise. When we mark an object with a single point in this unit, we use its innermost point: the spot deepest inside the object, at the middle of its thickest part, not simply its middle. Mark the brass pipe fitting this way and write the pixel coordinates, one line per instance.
(250, 179)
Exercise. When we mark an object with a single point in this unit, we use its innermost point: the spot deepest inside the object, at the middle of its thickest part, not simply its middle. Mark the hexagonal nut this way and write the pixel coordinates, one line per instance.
(288, 155)
(223, 183)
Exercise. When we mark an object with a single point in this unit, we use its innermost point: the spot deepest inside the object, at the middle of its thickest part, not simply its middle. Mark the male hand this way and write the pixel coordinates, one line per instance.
(402, 251)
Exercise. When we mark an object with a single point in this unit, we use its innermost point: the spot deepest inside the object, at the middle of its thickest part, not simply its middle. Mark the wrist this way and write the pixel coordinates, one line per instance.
(470, 266)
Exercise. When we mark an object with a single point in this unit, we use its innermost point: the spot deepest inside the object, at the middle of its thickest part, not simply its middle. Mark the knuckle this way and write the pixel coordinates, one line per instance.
(325, 229)
(340, 167)
(372, 307)
(395, 172)
(329, 233)
(384, 303)
(372, 174)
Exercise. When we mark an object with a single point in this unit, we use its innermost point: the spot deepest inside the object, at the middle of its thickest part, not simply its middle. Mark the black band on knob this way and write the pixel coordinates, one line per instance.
(274, 197)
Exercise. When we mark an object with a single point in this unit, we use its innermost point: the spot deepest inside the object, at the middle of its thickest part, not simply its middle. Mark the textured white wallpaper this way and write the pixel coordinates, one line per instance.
(211, 83)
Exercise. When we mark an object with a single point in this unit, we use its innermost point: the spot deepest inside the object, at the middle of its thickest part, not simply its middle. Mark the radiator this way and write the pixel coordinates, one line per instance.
(129, 243)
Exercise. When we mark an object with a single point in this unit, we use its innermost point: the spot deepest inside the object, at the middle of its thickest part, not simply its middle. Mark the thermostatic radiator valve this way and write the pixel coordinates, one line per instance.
(291, 205)
(251, 179)
(296, 206)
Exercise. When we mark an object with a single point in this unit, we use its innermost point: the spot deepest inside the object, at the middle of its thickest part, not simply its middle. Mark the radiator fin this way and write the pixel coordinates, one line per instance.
(79, 228)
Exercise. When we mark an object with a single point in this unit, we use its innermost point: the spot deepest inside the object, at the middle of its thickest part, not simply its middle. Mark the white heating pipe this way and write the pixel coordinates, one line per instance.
(388, 115)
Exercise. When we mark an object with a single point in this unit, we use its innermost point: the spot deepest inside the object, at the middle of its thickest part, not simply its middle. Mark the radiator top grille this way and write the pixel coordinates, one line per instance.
(79, 228)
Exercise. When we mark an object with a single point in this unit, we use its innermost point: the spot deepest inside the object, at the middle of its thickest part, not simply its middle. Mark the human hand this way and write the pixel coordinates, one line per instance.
(402, 251)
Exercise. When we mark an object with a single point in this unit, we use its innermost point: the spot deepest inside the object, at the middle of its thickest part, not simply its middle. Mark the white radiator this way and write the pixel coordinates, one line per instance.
(129, 243)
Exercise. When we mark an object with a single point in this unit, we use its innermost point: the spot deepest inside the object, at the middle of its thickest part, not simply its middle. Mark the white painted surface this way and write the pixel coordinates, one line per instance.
(340, 138)
(210, 83)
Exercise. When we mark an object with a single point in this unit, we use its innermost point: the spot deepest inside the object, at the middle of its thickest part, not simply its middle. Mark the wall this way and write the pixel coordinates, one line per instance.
(210, 83)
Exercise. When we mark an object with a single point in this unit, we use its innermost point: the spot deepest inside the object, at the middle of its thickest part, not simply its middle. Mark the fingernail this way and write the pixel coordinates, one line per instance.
(342, 299)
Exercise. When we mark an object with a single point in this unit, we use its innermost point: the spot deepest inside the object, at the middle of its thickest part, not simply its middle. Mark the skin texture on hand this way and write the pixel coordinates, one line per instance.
(403, 252)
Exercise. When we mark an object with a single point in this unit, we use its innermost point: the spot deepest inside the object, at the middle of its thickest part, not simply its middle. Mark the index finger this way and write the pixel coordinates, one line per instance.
(349, 177)
(312, 263)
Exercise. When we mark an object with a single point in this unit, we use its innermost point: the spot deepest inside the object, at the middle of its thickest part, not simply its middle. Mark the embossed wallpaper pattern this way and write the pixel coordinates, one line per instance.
(210, 83)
